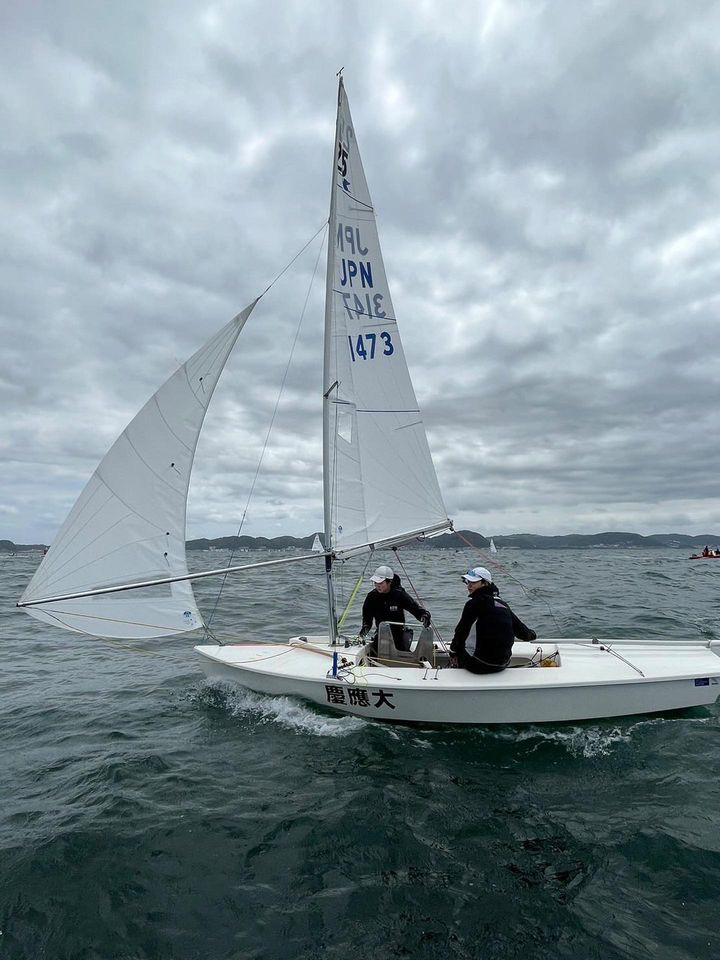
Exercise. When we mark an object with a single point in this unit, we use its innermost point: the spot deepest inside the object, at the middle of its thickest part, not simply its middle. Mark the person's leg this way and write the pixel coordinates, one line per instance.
(476, 665)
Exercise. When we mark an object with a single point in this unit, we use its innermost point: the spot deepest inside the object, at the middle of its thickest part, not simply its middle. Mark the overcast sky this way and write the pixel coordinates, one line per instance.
(547, 183)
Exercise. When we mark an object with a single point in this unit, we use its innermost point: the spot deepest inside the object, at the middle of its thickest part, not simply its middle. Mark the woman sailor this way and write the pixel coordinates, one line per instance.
(387, 602)
(489, 649)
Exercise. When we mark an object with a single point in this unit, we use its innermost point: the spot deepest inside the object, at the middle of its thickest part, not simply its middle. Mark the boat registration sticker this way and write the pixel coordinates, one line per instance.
(702, 681)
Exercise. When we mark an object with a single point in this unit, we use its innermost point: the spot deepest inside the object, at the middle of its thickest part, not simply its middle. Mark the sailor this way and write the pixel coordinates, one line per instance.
(706, 551)
(496, 626)
(388, 601)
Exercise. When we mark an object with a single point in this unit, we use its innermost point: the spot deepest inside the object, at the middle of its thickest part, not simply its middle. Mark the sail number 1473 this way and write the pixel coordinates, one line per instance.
(363, 347)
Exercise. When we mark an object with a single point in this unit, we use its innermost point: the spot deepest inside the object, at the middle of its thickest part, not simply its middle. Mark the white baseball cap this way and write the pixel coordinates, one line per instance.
(476, 574)
(382, 573)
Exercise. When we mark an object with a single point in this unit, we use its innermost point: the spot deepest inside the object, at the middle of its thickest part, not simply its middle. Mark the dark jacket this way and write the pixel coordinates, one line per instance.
(496, 626)
(379, 607)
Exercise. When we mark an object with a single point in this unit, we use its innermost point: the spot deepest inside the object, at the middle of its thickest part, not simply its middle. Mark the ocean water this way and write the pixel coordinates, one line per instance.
(147, 814)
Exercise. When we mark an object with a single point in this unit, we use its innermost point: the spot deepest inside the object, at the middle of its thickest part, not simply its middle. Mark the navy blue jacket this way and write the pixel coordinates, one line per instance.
(496, 627)
(380, 607)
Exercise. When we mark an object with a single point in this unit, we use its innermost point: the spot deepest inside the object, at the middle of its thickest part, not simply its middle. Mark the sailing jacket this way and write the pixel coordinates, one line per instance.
(496, 626)
(379, 607)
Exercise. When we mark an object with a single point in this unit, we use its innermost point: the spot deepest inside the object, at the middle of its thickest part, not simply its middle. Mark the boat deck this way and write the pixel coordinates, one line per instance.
(582, 663)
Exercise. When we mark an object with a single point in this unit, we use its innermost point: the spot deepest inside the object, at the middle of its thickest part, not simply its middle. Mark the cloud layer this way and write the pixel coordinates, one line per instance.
(546, 178)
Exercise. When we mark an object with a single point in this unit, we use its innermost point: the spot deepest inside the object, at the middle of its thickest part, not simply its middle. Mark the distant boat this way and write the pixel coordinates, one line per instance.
(317, 546)
(705, 556)
(493, 548)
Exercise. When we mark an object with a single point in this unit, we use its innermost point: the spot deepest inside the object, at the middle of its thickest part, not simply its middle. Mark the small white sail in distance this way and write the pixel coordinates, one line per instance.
(128, 524)
(493, 548)
(317, 546)
(380, 479)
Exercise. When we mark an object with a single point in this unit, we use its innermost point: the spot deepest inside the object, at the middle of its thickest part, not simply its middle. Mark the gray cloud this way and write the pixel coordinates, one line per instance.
(546, 184)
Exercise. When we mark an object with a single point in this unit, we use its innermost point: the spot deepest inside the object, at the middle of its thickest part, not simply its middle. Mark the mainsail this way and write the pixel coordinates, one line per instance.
(128, 525)
(380, 481)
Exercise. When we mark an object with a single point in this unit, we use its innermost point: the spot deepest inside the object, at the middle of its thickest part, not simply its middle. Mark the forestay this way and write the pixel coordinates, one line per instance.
(380, 478)
(128, 525)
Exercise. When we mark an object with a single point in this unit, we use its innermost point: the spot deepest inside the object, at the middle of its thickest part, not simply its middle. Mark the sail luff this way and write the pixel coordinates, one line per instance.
(328, 386)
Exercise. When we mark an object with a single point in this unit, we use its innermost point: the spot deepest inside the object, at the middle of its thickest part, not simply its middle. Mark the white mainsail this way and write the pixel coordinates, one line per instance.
(493, 548)
(380, 478)
(128, 524)
(317, 546)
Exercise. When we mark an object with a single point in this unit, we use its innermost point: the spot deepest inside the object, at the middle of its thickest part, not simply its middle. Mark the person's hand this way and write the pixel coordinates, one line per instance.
(425, 619)
(533, 636)
(453, 660)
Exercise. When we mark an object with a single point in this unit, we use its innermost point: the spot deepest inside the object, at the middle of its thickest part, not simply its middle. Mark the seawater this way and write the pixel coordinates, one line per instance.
(147, 814)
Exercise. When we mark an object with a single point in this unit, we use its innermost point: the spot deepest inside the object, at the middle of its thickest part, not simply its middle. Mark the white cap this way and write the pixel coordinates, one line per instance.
(382, 573)
(476, 574)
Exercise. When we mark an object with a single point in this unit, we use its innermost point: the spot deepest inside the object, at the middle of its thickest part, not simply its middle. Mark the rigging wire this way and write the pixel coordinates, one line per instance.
(277, 404)
(421, 601)
(325, 224)
(530, 594)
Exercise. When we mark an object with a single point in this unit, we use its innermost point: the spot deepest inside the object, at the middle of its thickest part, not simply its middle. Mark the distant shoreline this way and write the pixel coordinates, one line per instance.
(514, 541)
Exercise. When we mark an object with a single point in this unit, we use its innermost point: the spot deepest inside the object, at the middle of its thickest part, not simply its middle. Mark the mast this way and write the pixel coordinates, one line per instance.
(327, 386)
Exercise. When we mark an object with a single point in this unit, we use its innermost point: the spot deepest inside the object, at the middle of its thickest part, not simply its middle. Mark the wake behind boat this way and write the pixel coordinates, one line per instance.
(118, 567)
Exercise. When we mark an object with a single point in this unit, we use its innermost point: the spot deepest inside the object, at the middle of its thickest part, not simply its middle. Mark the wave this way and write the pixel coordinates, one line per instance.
(288, 712)
(588, 742)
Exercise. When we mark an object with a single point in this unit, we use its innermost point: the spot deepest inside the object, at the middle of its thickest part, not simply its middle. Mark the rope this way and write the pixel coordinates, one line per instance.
(285, 269)
(350, 602)
(530, 594)
(275, 410)
(117, 642)
(421, 601)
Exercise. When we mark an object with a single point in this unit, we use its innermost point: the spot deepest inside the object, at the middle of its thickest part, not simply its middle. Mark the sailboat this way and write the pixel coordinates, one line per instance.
(117, 567)
(493, 548)
(317, 546)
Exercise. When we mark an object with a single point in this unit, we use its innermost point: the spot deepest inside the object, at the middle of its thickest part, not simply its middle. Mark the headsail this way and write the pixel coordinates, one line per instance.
(380, 478)
(128, 525)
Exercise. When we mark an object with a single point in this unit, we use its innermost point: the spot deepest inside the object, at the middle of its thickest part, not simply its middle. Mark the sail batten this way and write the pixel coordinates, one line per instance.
(128, 524)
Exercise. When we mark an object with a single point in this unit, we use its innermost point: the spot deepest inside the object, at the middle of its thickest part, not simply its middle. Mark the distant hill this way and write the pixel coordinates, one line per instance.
(575, 541)
(7, 546)
(513, 541)
(251, 543)
(517, 541)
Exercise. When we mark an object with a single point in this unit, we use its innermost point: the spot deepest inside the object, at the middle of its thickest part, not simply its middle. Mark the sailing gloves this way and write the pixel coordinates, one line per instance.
(425, 619)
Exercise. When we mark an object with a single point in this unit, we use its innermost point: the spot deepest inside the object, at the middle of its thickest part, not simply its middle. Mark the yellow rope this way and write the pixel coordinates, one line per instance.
(350, 602)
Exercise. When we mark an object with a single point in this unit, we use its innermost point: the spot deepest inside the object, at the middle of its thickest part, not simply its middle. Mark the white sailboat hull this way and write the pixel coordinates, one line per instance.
(591, 683)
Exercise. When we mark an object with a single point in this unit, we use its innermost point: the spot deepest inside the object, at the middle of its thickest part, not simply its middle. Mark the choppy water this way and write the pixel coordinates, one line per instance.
(146, 814)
